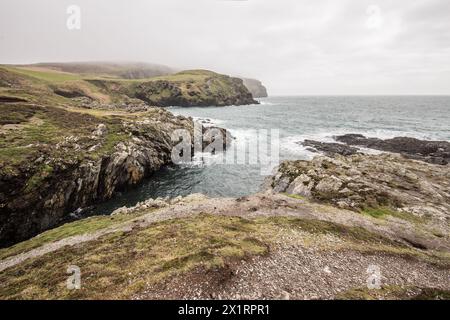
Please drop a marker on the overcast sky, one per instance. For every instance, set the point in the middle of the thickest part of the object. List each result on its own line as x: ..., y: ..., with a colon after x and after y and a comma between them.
x: 293, y: 46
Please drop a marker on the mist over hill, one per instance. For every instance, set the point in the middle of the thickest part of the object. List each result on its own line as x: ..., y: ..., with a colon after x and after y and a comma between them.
x: 129, y: 70
x: 126, y: 70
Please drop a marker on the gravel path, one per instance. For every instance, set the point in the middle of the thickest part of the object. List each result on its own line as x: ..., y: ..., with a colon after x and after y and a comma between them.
x: 296, y: 272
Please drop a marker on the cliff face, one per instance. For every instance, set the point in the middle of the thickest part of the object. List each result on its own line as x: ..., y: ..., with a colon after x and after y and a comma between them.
x: 71, y: 160
x: 256, y: 88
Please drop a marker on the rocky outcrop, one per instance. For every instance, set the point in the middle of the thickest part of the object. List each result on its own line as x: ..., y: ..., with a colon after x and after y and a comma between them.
x: 370, y: 181
x: 186, y: 89
x: 437, y: 152
x: 256, y: 88
x: 329, y: 149
x: 80, y: 170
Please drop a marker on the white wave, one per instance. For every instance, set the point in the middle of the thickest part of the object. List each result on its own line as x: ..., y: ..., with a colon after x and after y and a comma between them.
x: 203, y: 159
x: 265, y: 103
x: 209, y: 122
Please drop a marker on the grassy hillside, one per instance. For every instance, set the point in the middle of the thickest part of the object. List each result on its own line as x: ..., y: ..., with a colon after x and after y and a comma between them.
x: 187, y: 88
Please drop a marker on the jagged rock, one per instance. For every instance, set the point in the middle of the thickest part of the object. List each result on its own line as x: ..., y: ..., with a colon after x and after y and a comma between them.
x: 159, y: 203
x: 330, y: 148
x: 437, y: 152
x: 361, y: 181
x: 100, y: 131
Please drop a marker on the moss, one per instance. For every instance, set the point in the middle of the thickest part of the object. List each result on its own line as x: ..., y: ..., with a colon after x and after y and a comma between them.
x: 44, y: 127
x: 114, y: 136
x: 432, y: 294
x: 294, y: 196
x: 38, y: 177
x: 382, y: 212
x: 326, y: 227
x: 439, y: 259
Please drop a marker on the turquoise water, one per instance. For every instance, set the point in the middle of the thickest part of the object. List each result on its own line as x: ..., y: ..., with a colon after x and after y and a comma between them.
x: 297, y: 118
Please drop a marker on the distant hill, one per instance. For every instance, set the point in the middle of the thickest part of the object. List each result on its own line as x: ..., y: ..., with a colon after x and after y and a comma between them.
x: 125, y: 70
x: 90, y: 87
x: 129, y: 70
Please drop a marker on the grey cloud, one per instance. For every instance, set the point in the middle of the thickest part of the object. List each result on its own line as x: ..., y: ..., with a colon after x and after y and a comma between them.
x: 294, y: 47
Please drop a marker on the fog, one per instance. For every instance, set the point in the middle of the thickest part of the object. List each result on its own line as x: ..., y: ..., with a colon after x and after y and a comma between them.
x: 294, y: 47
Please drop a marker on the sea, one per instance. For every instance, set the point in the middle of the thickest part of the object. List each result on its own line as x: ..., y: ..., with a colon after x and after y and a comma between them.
x: 289, y: 120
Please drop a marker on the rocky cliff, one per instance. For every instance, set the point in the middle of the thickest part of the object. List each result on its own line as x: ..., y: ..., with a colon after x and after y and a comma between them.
x: 192, y: 88
x: 256, y: 88
x: 56, y: 161
x: 57, y: 156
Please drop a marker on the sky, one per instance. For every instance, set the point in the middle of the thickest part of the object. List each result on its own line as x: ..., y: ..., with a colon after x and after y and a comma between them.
x: 295, y: 47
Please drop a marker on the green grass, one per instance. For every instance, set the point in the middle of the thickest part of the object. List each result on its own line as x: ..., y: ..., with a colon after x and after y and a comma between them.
x: 15, y: 114
x: 294, y: 196
x: 48, y: 76
x: 87, y: 225
x: 41, y: 128
x: 183, y: 76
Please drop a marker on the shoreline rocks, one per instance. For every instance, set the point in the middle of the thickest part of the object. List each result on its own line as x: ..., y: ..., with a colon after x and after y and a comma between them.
x: 329, y: 149
x: 362, y: 181
x: 437, y: 152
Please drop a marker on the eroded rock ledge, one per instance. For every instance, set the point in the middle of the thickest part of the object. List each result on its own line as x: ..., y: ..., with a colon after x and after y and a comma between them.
x: 360, y: 181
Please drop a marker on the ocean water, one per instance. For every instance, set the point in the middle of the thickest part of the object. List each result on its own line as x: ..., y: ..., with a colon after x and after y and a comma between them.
x: 297, y: 119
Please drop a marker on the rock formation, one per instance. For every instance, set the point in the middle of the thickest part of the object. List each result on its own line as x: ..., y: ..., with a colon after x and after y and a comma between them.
x: 437, y: 152
x: 329, y: 148
x: 362, y: 181
x: 57, y: 157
